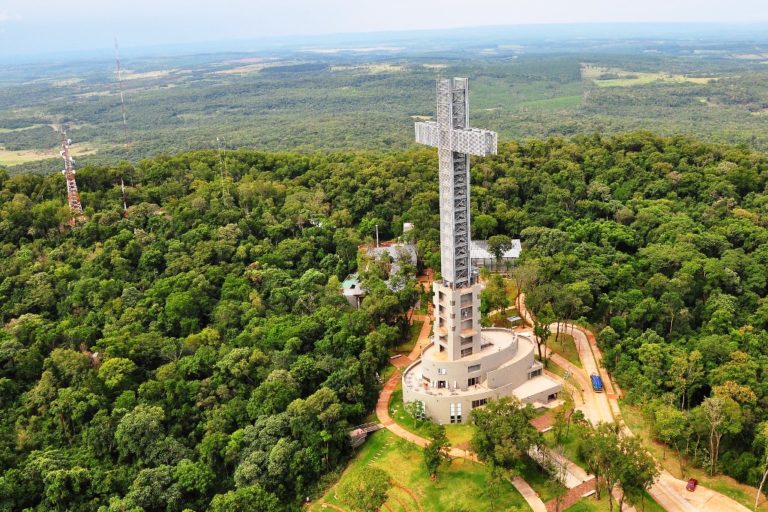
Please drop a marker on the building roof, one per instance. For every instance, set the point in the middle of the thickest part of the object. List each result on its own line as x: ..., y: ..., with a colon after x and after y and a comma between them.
x: 479, y: 250
x: 396, y: 252
x: 536, y: 385
x: 351, y: 285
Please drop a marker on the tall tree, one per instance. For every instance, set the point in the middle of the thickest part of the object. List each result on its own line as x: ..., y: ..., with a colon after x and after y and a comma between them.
x: 436, y: 452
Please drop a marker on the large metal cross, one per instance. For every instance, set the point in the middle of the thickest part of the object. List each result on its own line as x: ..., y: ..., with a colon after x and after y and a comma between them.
x: 455, y: 141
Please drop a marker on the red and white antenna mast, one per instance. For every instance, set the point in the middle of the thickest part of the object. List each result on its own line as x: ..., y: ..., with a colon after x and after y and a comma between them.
x: 73, y: 196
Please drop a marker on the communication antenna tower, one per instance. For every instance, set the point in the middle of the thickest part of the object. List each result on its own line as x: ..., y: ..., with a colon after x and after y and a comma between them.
x: 125, y: 122
x: 73, y: 196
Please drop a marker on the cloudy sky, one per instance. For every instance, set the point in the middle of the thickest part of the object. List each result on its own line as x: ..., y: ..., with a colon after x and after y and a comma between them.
x: 28, y: 26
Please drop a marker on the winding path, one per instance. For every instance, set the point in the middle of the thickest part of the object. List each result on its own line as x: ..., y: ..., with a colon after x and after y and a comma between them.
x: 382, y: 411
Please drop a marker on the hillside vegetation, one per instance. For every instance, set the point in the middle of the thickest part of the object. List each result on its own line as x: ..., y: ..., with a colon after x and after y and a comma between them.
x: 196, y: 354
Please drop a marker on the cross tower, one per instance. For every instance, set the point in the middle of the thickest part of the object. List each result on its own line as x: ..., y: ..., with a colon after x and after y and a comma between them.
x: 457, y: 301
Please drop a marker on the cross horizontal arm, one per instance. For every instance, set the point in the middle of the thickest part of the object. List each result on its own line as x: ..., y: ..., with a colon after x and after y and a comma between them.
x: 472, y: 141
x: 426, y: 133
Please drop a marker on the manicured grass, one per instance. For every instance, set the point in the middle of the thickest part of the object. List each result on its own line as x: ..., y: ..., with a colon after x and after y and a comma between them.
x: 461, y: 486
x: 407, y: 345
x: 564, y: 346
x: 726, y: 485
x: 590, y: 504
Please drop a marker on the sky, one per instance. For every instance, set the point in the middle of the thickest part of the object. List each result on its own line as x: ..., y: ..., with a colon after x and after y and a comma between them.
x: 35, y: 26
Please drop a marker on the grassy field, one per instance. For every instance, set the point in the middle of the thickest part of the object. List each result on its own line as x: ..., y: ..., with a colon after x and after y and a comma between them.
x: 616, y: 77
x: 742, y: 493
x: 32, y: 155
x: 590, y: 504
x: 462, y: 486
x: 566, y: 347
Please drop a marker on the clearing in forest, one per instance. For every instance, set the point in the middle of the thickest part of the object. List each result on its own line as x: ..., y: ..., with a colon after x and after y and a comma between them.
x: 617, y: 77
x: 461, y: 486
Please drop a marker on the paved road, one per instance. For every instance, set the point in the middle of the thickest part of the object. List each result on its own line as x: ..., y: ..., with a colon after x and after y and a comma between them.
x: 668, y: 491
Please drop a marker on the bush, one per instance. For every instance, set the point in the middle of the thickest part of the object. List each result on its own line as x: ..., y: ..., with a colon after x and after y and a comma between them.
x: 367, y: 491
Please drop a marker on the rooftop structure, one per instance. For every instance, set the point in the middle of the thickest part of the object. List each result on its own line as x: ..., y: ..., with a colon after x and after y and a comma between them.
x: 465, y: 365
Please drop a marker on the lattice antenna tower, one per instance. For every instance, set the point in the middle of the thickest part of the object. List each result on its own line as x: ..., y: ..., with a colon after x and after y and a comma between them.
x: 73, y: 195
x: 125, y: 121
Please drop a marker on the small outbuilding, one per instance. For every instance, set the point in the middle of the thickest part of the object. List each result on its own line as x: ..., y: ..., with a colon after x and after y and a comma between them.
x: 352, y: 290
x: 482, y: 257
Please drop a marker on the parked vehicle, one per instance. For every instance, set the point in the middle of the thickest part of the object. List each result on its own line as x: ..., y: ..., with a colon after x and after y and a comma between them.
x: 597, y: 383
x: 692, y: 483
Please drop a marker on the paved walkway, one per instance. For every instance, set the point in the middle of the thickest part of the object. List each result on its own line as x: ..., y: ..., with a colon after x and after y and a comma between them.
x: 574, y: 474
x: 533, y: 499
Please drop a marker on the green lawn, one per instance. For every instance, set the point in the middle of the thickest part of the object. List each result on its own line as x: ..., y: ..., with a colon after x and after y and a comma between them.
x: 462, y: 486
x: 407, y: 345
x: 564, y: 346
x: 590, y: 504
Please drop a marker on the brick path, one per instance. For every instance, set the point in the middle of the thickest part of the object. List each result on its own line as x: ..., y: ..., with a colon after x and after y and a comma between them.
x: 573, y: 496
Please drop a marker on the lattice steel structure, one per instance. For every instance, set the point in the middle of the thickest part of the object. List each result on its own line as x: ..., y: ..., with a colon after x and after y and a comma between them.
x: 455, y: 141
x: 73, y: 195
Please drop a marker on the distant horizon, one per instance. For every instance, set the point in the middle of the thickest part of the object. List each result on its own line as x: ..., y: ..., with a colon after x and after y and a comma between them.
x: 677, y: 30
x: 35, y: 27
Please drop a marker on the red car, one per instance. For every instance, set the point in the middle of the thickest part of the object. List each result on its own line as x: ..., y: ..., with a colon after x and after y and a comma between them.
x: 692, y: 483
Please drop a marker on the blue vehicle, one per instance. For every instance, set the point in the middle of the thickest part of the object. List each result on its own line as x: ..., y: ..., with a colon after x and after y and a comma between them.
x: 597, y: 383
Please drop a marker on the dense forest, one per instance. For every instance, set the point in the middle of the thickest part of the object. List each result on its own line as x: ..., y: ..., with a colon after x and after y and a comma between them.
x: 195, y: 353
x: 305, y: 101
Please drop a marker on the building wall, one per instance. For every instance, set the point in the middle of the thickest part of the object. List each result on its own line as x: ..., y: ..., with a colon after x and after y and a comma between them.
x: 456, y: 310
x: 497, y: 382
x: 438, y: 408
x: 459, y: 371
